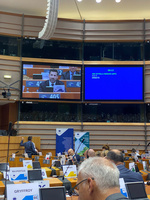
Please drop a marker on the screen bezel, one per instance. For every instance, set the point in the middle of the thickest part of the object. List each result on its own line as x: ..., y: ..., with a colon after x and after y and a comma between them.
x: 49, y: 99
x: 112, y: 100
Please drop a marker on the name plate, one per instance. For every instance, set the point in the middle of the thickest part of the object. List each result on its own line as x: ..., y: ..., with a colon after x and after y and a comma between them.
x: 73, y: 84
x: 33, y: 83
x: 28, y: 191
x: 70, y: 171
x: 18, y: 174
x: 49, y: 96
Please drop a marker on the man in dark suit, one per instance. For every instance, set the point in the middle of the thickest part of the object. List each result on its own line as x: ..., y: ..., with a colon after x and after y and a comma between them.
x: 53, y: 76
x: 116, y: 157
x: 29, y: 147
x: 68, y: 75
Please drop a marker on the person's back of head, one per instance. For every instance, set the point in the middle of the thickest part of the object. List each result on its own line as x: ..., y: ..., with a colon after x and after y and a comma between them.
x: 104, y: 153
x: 116, y: 156
x: 104, y: 173
x: 91, y: 153
x: 29, y: 138
x: 106, y: 147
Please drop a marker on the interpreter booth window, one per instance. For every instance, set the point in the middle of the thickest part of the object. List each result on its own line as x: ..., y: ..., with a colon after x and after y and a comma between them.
x: 94, y: 112
x: 128, y: 51
x: 38, y: 111
x: 147, y: 112
x: 147, y: 50
x: 113, y: 51
x: 51, y: 49
x: 10, y: 46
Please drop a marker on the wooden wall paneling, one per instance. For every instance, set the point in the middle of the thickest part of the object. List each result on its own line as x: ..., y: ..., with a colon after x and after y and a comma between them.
x: 13, y: 112
x: 0, y: 117
x: 117, y: 135
x: 14, y: 145
x: 13, y: 23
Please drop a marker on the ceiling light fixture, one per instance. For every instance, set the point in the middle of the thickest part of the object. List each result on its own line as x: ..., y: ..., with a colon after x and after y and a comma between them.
x: 79, y: 0
x: 98, y: 1
x: 118, y: 1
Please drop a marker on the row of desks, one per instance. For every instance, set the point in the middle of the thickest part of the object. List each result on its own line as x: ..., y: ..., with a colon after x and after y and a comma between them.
x: 53, y: 182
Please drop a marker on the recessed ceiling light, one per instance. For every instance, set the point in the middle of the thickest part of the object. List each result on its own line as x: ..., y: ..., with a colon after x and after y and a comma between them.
x: 118, y: 1
x: 79, y: 0
x: 98, y: 1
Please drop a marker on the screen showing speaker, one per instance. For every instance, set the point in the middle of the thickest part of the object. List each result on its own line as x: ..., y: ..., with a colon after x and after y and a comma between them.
x: 51, y: 81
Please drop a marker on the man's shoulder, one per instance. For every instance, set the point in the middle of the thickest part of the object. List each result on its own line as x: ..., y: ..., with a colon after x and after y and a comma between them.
x: 59, y: 82
x: 116, y: 196
x: 45, y: 82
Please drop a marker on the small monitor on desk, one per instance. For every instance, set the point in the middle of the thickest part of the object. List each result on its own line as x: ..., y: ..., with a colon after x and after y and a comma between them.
x: 57, y: 193
x: 4, y: 166
x: 36, y: 165
x: 35, y: 175
x: 49, y: 88
x: 136, y: 190
x: 37, y: 76
x: 77, y: 77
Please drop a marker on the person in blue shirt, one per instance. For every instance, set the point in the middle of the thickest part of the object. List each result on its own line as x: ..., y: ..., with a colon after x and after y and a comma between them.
x: 117, y: 157
x: 29, y: 147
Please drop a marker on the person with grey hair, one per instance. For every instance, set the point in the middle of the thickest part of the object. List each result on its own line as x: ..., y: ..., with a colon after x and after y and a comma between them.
x: 98, y: 179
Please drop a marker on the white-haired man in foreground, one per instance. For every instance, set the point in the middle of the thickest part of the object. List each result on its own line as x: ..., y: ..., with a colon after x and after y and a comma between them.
x: 99, y: 180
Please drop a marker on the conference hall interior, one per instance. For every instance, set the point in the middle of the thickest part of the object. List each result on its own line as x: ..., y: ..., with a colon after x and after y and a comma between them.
x: 79, y: 68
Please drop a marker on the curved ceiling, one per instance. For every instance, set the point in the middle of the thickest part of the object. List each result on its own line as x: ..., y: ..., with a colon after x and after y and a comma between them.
x: 89, y: 9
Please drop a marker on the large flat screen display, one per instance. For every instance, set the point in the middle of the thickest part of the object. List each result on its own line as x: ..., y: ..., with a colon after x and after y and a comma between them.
x: 51, y: 81
x: 113, y: 83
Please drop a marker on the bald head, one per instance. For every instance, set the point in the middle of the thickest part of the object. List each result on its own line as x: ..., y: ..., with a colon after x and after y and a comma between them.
x: 91, y: 153
x: 71, y: 152
x: 116, y: 156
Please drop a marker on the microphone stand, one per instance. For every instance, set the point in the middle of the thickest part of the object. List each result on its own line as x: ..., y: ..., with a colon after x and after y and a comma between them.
x: 9, y: 130
x: 145, y: 148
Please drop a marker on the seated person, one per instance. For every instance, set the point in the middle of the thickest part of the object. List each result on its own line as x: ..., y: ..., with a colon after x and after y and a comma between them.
x: 68, y: 75
x: 29, y: 147
x: 105, y: 150
x: 98, y: 179
x: 53, y: 80
x: 116, y: 157
x: 135, y: 155
x: 73, y: 156
x: 89, y: 153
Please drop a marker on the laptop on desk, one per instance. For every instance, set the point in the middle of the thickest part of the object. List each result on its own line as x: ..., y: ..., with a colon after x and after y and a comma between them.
x: 136, y: 191
x: 34, y: 175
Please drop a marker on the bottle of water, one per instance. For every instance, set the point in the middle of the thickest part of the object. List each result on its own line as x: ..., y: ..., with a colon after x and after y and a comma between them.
x: 27, y: 89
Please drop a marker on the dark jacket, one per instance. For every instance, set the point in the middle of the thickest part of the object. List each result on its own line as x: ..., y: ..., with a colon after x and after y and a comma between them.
x: 116, y: 196
x: 128, y: 175
x: 29, y: 148
x: 43, y: 85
